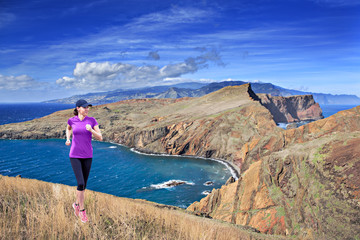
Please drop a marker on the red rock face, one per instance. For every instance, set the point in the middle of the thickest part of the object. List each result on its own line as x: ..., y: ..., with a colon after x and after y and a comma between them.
x: 293, y: 108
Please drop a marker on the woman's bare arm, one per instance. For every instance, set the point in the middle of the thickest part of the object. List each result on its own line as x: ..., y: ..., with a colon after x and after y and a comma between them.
x: 68, y: 134
x: 97, y: 133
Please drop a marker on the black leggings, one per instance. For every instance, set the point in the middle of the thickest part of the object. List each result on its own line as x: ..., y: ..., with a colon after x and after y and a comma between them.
x: 81, y: 167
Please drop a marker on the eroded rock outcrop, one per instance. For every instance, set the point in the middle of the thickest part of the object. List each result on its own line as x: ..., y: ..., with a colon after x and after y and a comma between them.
x: 293, y: 108
x: 307, y: 186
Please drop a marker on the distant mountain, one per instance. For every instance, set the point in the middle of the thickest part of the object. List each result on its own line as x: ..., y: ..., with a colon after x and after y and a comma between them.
x: 194, y: 89
x: 176, y: 93
x: 190, y: 85
x: 342, y: 99
x: 115, y: 96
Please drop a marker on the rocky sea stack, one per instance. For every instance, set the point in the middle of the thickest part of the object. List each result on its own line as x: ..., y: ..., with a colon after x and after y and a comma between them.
x: 302, y: 181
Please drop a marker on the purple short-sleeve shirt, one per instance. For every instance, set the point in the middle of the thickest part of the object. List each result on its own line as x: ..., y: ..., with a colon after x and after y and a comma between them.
x: 81, y: 141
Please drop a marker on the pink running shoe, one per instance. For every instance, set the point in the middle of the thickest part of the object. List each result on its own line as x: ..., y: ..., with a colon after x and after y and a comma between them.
x: 83, y: 216
x: 76, y: 209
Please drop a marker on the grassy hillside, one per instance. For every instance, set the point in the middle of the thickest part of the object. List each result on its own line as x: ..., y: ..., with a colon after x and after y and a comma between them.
x: 32, y: 209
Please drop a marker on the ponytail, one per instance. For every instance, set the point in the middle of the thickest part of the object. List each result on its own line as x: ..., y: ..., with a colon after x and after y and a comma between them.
x: 76, y: 112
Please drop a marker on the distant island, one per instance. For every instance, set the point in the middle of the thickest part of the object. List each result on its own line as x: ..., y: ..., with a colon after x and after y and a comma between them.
x: 195, y: 89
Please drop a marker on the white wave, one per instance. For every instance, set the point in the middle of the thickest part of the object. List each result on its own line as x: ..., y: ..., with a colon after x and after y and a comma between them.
x: 151, y: 154
x: 170, y: 184
x: 208, y: 183
x: 282, y: 125
x: 112, y: 147
x: 206, y: 192
x: 297, y: 124
x: 226, y: 164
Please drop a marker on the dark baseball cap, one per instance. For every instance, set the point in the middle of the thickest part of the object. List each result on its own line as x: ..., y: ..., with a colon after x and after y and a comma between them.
x: 82, y: 103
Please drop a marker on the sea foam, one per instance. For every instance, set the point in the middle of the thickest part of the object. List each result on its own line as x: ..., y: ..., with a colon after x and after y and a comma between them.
x: 170, y: 184
x: 226, y: 164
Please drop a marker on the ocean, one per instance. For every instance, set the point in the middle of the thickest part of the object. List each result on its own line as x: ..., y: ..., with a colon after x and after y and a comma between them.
x: 21, y: 112
x: 329, y: 110
x: 116, y: 169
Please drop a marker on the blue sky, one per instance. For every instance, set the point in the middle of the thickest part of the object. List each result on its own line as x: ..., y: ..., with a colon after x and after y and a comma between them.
x: 53, y: 49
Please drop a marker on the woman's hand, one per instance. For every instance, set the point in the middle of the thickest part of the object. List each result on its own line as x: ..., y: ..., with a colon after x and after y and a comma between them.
x: 88, y: 127
x: 67, y: 143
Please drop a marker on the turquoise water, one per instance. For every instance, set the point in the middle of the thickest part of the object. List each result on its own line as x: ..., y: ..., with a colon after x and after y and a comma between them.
x: 116, y: 170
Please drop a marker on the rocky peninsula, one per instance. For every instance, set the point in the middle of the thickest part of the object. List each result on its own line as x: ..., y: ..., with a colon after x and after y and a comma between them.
x: 216, y: 125
x: 292, y: 182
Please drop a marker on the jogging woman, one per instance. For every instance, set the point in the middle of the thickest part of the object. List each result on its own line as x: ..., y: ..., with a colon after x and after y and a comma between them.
x: 82, y: 129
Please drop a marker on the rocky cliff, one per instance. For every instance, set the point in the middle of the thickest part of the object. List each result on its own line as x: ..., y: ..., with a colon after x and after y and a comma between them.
x: 308, y: 185
x: 293, y: 108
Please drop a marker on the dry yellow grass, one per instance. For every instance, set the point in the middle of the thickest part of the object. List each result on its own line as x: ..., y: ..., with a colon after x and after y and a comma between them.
x: 32, y: 209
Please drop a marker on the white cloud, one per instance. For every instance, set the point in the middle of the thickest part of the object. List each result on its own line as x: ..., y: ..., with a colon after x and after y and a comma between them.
x: 107, y: 76
x: 173, y: 16
x: 19, y: 82
x: 176, y: 70
x: 66, y: 81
